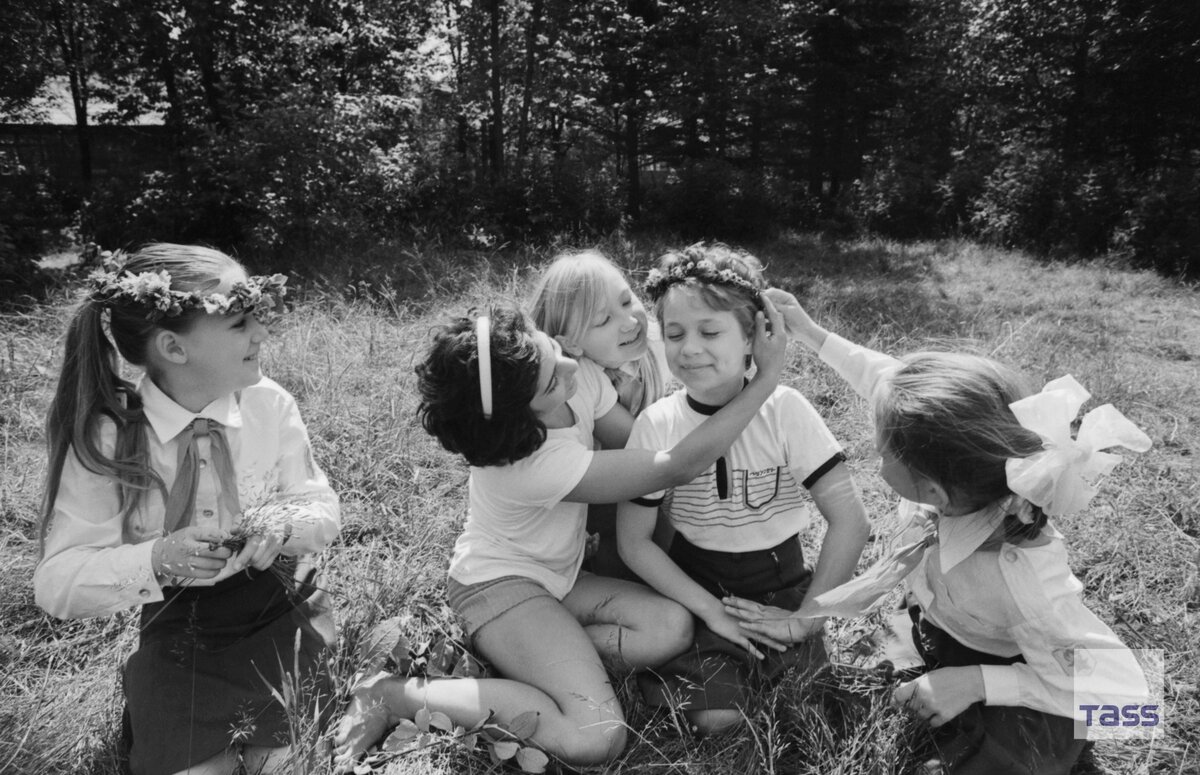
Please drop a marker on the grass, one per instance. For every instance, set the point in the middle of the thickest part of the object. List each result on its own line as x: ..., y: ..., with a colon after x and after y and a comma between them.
x: 347, y: 355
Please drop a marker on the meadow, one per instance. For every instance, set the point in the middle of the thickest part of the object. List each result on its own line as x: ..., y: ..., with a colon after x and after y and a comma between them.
x: 347, y: 351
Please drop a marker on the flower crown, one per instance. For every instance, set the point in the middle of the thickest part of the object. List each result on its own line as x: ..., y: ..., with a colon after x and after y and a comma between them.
x: 659, y: 281
x: 114, y: 286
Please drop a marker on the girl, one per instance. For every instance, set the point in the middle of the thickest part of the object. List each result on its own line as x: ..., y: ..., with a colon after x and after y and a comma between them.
x: 737, y: 524
x: 585, y: 303
x: 144, y: 503
x: 523, y: 415
x: 1011, y: 649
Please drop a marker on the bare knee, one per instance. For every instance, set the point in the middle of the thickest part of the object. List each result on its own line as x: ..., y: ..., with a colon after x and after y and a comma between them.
x: 596, y: 744
x: 679, y: 629
x: 714, y: 722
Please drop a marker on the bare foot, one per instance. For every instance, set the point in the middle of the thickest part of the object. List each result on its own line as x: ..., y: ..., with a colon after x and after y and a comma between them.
x: 368, y: 717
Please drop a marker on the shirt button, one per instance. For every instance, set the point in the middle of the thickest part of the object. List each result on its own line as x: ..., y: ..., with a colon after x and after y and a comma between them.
x: 203, y: 462
x: 144, y: 592
x: 208, y: 512
x: 1011, y: 555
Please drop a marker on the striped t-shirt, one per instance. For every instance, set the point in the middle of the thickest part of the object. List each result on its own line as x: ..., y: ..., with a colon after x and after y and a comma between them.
x: 752, y: 497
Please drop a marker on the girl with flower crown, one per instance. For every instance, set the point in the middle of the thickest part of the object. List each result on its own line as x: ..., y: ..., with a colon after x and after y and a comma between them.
x: 160, y: 494
x: 585, y: 303
x: 736, y: 525
x: 981, y: 464
x: 521, y: 413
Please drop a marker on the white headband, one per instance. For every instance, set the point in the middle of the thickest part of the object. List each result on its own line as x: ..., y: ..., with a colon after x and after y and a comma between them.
x: 483, y: 336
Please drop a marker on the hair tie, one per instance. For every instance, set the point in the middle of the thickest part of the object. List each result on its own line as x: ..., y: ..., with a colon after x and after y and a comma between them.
x: 1064, y: 477
x: 483, y: 337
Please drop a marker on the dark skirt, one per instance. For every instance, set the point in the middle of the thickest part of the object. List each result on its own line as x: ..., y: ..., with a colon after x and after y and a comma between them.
x: 715, y: 673
x: 990, y: 739
x: 208, y: 659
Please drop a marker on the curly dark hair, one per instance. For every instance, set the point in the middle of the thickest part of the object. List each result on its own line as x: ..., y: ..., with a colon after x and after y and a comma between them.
x: 451, y: 409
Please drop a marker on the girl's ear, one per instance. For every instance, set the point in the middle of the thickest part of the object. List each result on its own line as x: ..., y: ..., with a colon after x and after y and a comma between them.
x: 167, y: 345
x: 569, y: 347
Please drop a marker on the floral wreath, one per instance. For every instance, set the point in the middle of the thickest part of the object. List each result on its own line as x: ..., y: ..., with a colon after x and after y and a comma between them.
x: 659, y: 281
x: 114, y: 286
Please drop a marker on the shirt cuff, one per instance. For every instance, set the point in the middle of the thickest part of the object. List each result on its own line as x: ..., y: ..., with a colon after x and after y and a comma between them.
x: 835, y: 350
x: 148, y: 589
x: 1001, y: 685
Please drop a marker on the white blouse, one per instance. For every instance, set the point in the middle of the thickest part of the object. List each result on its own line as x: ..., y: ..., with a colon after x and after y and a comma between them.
x: 1008, y: 600
x: 91, y: 567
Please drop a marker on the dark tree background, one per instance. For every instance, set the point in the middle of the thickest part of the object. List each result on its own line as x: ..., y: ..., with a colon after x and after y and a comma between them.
x: 1067, y: 127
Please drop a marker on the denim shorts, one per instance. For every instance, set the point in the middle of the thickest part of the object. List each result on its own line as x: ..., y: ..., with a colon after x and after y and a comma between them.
x: 484, y: 602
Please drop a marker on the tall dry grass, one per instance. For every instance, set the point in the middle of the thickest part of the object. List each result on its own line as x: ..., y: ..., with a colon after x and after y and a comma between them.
x: 347, y: 354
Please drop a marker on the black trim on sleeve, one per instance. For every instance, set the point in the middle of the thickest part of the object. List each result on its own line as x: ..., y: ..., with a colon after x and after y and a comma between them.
x: 823, y: 469
x: 650, y: 503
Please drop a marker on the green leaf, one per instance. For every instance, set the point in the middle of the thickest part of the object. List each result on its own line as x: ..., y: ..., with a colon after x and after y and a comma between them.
x: 469, y: 741
x: 401, y: 738
x: 505, y: 749
x: 385, y: 639
x: 532, y: 760
x: 439, y: 720
x: 524, y: 725
x: 422, y: 719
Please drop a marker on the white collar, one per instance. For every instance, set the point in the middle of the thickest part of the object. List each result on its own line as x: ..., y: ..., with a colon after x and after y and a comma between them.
x: 168, y: 418
x: 959, y: 537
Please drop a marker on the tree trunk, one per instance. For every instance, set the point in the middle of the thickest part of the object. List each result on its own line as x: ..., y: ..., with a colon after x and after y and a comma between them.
x: 496, y: 126
x: 204, y: 50
x: 73, y: 47
x: 531, y: 36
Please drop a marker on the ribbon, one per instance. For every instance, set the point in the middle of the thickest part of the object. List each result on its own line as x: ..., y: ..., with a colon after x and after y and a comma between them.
x: 182, y: 499
x: 862, y: 593
x: 1064, y: 477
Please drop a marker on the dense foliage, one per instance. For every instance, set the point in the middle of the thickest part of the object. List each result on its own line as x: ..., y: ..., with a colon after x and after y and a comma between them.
x: 1070, y: 127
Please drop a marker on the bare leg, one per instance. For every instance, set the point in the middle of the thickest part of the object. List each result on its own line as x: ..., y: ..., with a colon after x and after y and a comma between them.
x: 552, y: 668
x: 629, y: 623
x: 260, y: 760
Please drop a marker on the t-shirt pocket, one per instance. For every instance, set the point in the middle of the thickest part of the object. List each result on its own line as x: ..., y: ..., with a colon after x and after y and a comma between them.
x: 759, y: 488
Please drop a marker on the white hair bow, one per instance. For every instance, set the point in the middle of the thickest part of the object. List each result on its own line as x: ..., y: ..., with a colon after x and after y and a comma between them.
x: 1064, y: 476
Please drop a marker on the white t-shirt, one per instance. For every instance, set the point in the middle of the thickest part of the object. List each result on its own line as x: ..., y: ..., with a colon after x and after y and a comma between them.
x: 517, y: 522
x: 751, y: 498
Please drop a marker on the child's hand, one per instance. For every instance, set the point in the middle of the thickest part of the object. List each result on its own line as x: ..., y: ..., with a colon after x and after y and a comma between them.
x: 261, y: 549
x: 727, y: 627
x: 779, y: 624
x: 942, y: 694
x: 799, y: 323
x: 770, y: 343
x: 789, y: 306
x: 191, y: 552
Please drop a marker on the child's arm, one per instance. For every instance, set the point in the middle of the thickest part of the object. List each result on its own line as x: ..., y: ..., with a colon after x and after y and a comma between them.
x: 1071, y: 657
x: 618, y: 475
x: 612, y: 430
x: 864, y: 369
x: 635, y: 542
x: 303, y: 515
x: 838, y: 501
x: 90, y: 568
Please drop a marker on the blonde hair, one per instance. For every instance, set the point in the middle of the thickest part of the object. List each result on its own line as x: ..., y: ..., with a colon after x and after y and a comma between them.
x: 90, y: 387
x: 570, y: 293
x: 946, y: 416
